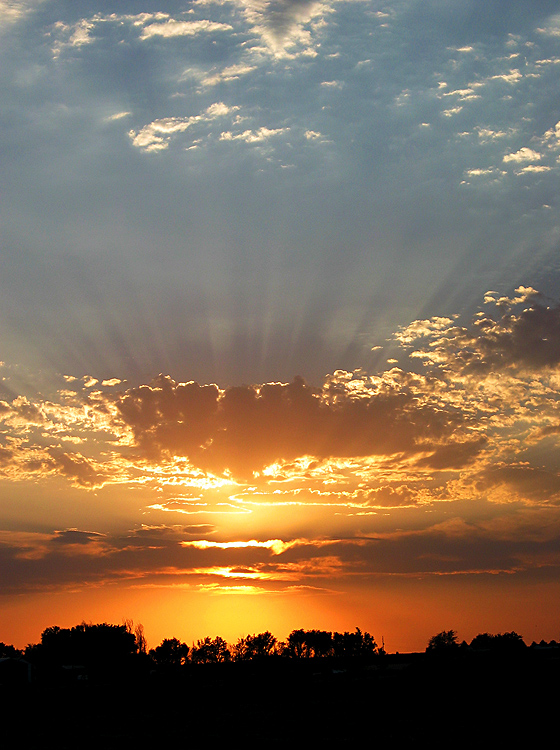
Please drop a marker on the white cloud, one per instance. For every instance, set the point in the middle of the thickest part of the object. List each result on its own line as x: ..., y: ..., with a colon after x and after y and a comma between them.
x: 479, y: 172
x: 452, y: 111
x: 117, y: 116
x: 173, y: 28
x: 553, y: 136
x: 534, y: 168
x: 463, y: 94
x: 12, y: 10
x: 512, y: 77
x: 156, y: 135
x: 230, y: 73
x: 552, y: 28
x: 524, y: 154
x: 252, y: 136
x: 486, y: 134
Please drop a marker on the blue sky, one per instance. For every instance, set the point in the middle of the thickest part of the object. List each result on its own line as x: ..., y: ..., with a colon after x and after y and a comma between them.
x: 243, y: 191
x: 281, y: 275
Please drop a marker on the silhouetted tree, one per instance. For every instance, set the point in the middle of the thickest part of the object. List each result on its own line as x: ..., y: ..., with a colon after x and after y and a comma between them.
x: 170, y: 653
x: 7, y: 651
x: 352, y: 645
x: 139, y: 637
x: 210, y: 651
x: 254, y: 646
x: 443, y: 642
x: 482, y: 642
x: 100, y: 647
x: 501, y: 642
x: 319, y: 643
x: 296, y: 646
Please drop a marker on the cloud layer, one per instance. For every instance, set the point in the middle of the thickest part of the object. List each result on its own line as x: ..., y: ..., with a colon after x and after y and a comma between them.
x: 443, y: 469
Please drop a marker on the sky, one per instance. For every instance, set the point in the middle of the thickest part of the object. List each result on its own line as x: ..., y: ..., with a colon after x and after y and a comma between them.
x: 279, y: 317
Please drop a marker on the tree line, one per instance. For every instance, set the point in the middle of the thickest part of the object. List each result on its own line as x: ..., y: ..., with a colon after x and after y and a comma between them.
x: 103, y: 645
x: 106, y: 647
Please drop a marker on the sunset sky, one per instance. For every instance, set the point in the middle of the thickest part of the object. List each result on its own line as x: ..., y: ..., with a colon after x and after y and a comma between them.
x: 279, y: 317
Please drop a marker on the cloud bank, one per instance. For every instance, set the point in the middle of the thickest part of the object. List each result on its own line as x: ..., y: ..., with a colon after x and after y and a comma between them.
x: 463, y: 440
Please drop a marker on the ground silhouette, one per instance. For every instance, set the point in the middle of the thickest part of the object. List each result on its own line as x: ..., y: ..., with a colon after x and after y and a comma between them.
x: 310, y: 691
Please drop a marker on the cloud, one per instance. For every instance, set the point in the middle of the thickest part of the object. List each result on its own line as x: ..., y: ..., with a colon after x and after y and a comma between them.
x: 524, y: 154
x: 13, y: 10
x: 156, y: 135
x: 77, y: 468
x: 513, y: 76
x: 229, y: 73
x: 481, y: 393
x: 75, y: 536
x: 527, y: 338
x: 172, y: 28
x: 521, y: 481
x: 283, y: 25
x: 117, y: 116
x: 252, y: 136
x: 245, y: 429
x: 454, y: 455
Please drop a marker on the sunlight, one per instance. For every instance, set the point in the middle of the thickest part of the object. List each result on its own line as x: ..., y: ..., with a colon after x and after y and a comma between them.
x: 277, y: 546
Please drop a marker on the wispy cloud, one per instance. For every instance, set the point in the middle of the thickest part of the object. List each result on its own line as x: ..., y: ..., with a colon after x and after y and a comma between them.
x: 156, y: 135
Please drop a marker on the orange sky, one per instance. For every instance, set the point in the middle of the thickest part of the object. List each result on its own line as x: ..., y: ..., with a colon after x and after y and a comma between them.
x: 417, y: 498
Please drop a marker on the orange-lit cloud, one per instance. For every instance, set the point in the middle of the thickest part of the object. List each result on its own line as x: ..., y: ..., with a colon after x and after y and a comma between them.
x: 445, y: 465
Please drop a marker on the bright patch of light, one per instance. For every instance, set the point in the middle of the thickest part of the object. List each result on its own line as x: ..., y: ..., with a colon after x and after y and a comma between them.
x: 276, y: 545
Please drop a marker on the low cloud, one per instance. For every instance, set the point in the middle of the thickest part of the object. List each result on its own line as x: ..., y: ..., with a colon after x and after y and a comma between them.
x: 457, y: 421
x: 244, y: 429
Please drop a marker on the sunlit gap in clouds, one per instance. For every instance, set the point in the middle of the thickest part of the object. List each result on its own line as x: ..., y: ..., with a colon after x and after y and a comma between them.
x: 277, y: 546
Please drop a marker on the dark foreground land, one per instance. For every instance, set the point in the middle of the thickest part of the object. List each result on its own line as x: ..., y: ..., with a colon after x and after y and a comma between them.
x: 473, y: 700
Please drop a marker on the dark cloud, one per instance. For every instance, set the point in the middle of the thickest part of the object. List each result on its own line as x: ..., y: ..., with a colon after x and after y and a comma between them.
x: 75, y: 536
x: 243, y: 429
x: 157, y: 557
x: 392, y: 497
x: 523, y: 481
x: 454, y: 455
x: 76, y: 467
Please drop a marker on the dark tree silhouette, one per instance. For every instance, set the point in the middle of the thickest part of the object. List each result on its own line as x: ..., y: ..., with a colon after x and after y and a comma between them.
x: 97, y: 647
x: 170, y: 653
x: 352, y: 645
x: 208, y: 651
x: 321, y: 643
x: 445, y: 642
x: 254, y: 647
x: 501, y: 642
x: 296, y: 646
x: 7, y: 651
